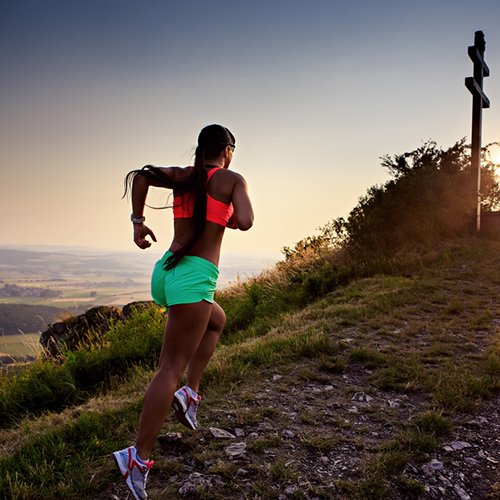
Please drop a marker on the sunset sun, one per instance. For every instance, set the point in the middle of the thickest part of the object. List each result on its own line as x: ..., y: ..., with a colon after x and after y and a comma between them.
x: 495, y: 155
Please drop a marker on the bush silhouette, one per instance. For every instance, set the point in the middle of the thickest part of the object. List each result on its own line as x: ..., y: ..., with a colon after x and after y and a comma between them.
x: 430, y: 197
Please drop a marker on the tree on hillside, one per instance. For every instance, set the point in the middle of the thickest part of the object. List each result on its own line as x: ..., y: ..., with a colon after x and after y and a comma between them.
x: 429, y: 197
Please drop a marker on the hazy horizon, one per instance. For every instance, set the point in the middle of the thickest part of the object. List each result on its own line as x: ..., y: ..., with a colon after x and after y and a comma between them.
x: 135, y: 251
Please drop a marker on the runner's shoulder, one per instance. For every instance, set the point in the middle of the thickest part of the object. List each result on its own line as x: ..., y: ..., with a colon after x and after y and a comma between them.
x: 232, y: 176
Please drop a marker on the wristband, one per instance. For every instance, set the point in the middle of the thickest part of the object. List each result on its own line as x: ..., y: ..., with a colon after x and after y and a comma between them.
x: 137, y: 220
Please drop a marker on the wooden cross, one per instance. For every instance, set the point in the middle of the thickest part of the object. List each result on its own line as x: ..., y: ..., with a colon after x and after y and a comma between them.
x: 479, y: 101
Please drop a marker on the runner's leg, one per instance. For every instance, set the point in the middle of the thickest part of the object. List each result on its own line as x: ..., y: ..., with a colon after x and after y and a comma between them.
x: 206, y: 347
x: 185, y: 328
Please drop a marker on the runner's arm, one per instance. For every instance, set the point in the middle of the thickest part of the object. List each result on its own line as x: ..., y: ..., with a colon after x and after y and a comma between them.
x: 243, y: 212
x: 140, y: 187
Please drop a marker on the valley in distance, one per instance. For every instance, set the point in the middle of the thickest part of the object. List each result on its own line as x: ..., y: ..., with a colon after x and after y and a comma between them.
x: 41, y: 285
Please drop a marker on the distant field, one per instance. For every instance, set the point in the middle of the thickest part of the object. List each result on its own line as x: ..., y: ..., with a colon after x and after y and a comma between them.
x: 81, y: 298
x: 20, y: 345
x: 86, y: 279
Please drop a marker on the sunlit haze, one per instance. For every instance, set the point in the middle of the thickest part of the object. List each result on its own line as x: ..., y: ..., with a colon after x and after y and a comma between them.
x: 315, y: 93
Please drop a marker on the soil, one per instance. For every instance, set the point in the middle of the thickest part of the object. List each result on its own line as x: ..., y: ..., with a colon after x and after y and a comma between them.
x: 312, y: 439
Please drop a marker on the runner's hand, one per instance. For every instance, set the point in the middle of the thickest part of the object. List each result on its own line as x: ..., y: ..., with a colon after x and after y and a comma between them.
x: 140, y: 233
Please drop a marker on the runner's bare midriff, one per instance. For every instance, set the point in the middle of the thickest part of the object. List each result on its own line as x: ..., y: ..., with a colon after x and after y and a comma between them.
x: 207, y: 247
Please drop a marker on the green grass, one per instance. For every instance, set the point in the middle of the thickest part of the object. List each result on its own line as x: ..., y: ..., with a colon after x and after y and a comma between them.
x: 421, y: 435
x: 384, y: 470
x: 332, y: 364
x: 52, y: 386
x: 259, y: 445
x: 283, y: 473
x: 270, y: 412
x: 409, y: 487
x: 308, y: 417
x: 455, y: 388
x: 400, y: 374
x: 318, y: 444
x: 368, y: 357
x: 233, y: 363
x: 47, y: 462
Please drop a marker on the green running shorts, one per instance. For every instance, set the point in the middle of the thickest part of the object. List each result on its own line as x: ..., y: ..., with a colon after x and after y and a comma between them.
x: 193, y: 279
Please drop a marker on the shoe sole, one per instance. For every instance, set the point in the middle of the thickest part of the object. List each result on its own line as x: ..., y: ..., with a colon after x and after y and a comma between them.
x: 180, y: 413
x: 124, y: 469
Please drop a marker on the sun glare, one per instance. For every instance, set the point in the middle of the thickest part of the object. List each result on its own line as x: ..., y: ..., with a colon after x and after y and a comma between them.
x: 495, y: 155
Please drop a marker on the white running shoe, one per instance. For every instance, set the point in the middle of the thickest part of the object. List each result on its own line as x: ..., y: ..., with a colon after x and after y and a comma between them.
x: 134, y: 470
x: 185, y: 404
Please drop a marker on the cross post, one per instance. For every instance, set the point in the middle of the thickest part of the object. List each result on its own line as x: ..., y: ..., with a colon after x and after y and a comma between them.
x: 479, y: 101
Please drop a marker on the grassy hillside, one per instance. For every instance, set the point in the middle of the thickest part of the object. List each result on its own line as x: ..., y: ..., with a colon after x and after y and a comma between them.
x: 366, y: 365
x: 344, y: 397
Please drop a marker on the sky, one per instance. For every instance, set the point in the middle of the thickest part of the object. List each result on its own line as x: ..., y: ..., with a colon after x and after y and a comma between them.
x: 314, y: 91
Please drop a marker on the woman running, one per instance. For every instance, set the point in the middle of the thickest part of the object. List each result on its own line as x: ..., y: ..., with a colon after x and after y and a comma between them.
x: 207, y: 198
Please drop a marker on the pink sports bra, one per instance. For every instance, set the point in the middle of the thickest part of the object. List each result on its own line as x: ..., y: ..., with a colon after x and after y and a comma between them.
x: 217, y: 211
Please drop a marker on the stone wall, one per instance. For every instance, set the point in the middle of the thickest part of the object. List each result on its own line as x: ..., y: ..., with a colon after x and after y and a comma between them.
x: 85, y: 329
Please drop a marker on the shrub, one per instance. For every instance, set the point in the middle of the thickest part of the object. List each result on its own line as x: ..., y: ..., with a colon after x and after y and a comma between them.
x: 430, y: 197
x: 49, y: 386
x: 43, y: 386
